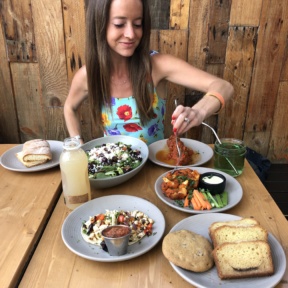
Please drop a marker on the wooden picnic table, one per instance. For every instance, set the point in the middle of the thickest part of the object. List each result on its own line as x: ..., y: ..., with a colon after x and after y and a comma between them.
x: 29, y: 200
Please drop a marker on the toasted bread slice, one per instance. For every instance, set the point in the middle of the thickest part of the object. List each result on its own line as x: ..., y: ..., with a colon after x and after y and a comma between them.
x: 243, y: 259
x: 244, y: 222
x: 224, y: 234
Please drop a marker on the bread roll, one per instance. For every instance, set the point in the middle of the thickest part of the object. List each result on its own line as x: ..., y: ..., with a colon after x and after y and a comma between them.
x: 35, y: 152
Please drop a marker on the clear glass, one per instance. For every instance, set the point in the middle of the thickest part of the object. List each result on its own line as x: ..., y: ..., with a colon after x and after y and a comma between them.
x: 230, y: 151
x: 74, y: 173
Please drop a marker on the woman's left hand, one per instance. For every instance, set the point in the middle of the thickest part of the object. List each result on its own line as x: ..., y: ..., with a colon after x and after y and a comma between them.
x: 184, y: 118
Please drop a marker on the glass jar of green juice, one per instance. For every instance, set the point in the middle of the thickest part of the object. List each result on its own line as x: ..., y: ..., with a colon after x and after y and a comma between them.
x: 229, y: 156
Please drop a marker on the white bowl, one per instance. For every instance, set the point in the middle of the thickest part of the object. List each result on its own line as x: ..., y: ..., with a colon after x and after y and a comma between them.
x: 135, y: 144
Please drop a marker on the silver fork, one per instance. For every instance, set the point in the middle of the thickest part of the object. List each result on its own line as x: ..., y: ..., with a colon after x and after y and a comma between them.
x: 177, y: 146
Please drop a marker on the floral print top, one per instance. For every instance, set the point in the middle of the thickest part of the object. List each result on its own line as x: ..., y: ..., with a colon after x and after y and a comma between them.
x: 124, y: 119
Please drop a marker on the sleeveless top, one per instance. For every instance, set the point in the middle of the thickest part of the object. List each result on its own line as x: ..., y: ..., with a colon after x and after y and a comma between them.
x: 123, y: 119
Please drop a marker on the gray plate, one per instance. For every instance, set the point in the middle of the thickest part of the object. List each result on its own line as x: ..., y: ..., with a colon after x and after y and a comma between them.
x: 200, y: 224
x: 9, y: 160
x: 205, y: 151
x: 71, y: 229
x: 233, y: 187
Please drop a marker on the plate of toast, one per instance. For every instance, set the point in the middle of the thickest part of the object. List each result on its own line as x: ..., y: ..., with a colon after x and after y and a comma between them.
x: 249, y: 257
x: 34, y: 155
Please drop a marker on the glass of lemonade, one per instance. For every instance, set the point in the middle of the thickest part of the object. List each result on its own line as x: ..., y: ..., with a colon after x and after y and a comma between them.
x: 230, y: 151
x: 74, y: 172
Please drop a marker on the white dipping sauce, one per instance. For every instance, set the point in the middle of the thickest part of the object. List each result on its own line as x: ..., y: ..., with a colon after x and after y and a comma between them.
x: 212, y: 179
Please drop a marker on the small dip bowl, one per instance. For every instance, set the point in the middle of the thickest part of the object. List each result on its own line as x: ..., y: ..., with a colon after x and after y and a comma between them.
x: 213, y: 181
x: 116, y: 238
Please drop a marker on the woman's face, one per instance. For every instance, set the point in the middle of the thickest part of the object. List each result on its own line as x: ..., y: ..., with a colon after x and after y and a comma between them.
x: 124, y: 29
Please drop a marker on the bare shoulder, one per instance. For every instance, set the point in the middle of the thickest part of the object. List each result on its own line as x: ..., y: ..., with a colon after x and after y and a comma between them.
x: 79, y: 82
x: 162, y: 66
x: 81, y: 75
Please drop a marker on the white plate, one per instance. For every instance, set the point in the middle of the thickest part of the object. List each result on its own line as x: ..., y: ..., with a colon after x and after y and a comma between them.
x: 9, y: 160
x: 71, y: 229
x: 200, y: 224
x: 233, y: 188
x: 205, y: 151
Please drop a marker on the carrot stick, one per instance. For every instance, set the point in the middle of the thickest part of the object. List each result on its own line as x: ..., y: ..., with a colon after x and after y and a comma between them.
x: 198, y: 202
x: 194, y: 203
x: 201, y: 198
x: 186, y: 201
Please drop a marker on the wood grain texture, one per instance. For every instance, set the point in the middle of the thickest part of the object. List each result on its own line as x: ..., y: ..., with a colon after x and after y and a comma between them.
x: 198, y: 36
x: 74, y: 29
x: 238, y: 70
x: 243, y: 41
x: 218, y: 30
x: 74, y: 26
x: 241, y: 15
x: 278, y: 146
x: 19, y: 32
x: 266, y: 75
x: 49, y: 31
x: 179, y: 14
x: 175, y: 43
x: 8, y: 117
x: 54, y: 265
x: 29, y: 99
x: 27, y: 200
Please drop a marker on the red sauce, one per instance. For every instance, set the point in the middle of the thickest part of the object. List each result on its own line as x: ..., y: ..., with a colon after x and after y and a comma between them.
x: 162, y: 155
x: 116, y: 231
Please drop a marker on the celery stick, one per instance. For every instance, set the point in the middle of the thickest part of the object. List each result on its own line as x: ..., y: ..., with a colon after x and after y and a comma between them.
x: 224, y: 198
x: 218, y: 199
x: 212, y: 200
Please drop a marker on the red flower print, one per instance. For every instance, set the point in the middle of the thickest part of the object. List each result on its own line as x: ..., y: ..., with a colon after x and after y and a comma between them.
x: 124, y: 112
x: 132, y: 127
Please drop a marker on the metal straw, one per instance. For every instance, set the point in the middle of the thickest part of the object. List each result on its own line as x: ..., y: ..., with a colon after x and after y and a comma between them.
x: 235, y: 170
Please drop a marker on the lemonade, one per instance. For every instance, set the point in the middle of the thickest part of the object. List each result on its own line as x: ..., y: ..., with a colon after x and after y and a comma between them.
x: 74, y: 173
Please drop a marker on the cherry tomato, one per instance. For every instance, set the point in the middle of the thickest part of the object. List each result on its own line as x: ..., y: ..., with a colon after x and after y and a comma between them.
x: 100, y: 217
x: 121, y: 218
x: 148, y: 229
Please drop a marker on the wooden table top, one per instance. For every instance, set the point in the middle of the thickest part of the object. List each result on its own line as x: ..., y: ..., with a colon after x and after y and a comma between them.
x: 26, y: 203
x: 54, y: 265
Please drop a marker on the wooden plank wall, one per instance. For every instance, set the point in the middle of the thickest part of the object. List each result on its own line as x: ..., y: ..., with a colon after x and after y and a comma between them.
x: 42, y: 46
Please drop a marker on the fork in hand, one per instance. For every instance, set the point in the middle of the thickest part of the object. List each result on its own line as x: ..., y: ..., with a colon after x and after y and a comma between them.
x: 177, y: 146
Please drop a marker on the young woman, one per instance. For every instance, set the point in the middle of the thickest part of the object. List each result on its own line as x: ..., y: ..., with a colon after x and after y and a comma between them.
x: 122, y: 79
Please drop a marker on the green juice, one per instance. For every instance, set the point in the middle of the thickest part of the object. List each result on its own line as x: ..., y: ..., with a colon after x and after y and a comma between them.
x: 230, y: 151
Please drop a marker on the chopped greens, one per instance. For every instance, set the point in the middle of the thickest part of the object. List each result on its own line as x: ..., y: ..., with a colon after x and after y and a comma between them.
x: 112, y: 159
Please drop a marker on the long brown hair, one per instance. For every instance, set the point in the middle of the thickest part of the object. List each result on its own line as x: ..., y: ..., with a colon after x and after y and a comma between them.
x: 98, y: 64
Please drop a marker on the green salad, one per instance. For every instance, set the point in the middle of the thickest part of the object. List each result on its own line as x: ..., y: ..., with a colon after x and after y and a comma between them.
x: 112, y: 159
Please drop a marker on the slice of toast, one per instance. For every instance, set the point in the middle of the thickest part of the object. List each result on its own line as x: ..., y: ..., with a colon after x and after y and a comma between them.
x: 225, y: 233
x: 243, y: 259
x: 244, y: 222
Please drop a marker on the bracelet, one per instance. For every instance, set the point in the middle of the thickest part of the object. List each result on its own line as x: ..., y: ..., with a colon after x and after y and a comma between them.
x: 78, y: 137
x: 219, y: 97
